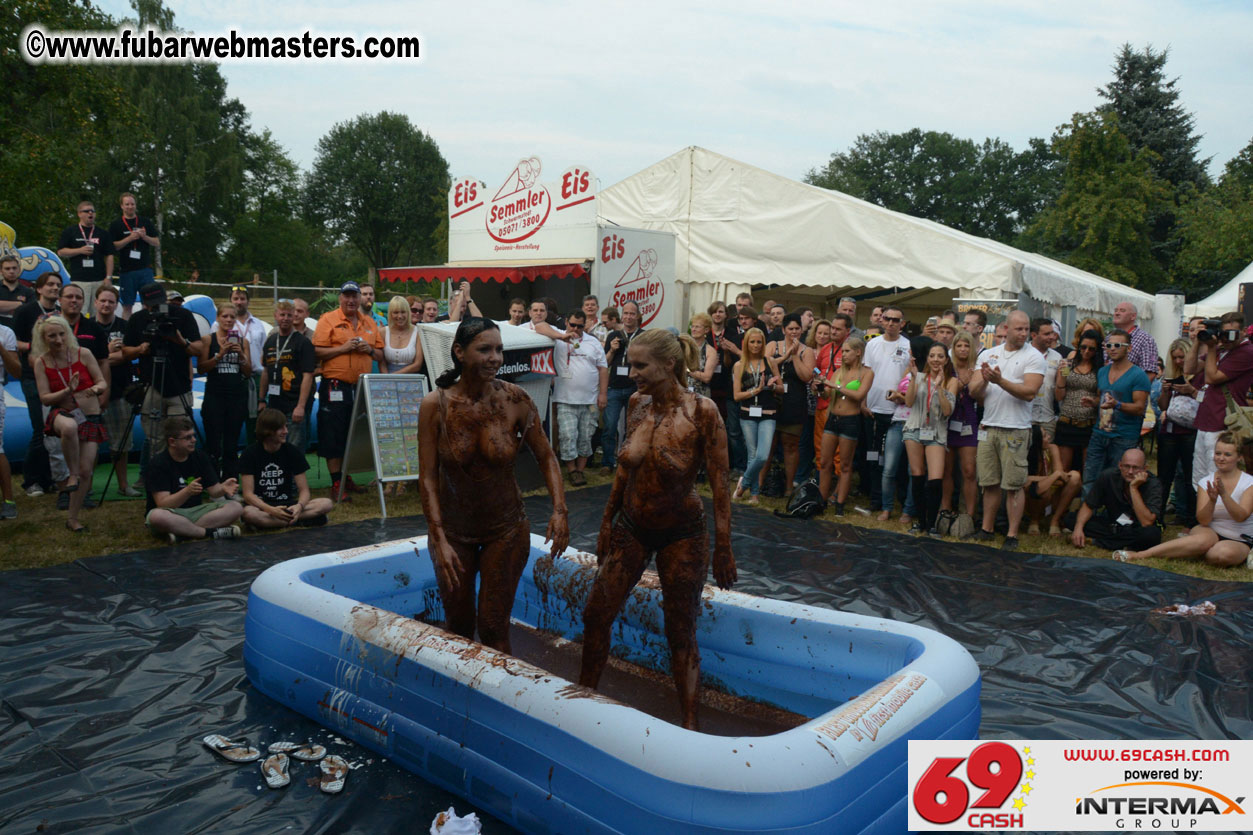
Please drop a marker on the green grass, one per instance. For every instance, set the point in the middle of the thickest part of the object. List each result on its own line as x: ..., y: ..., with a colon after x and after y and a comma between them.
x: 38, y: 536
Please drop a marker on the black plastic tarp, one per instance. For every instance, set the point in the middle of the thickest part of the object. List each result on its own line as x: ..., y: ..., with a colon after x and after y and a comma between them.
x: 113, y: 668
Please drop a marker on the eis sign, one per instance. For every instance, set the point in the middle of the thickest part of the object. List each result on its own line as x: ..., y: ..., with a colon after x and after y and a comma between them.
x: 524, y: 216
x: 637, y: 266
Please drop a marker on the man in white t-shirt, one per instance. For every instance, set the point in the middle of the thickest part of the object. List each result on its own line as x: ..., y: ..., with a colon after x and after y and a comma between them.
x: 889, y: 356
x: 1007, y: 380
x: 9, y: 364
x: 580, y: 391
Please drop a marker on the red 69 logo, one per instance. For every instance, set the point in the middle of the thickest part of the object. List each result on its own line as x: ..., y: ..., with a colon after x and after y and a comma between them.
x: 941, y: 797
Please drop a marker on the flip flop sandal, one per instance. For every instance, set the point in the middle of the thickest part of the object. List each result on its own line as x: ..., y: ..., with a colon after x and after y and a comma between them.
x: 274, y: 767
x: 334, y: 772
x: 231, y: 750
x: 307, y: 751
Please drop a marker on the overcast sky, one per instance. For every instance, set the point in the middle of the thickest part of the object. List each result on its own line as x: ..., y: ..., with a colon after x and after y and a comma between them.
x: 782, y: 86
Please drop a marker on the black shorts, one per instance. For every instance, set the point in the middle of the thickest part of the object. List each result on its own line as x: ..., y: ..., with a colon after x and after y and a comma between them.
x: 843, y: 426
x: 334, y: 417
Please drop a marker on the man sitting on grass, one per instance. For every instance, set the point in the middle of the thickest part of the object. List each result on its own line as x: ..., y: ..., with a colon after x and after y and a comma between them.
x: 1129, y: 494
x: 276, y: 493
x: 178, y: 480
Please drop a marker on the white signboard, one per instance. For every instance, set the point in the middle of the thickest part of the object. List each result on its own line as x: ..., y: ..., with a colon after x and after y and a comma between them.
x: 524, y: 217
x: 637, y: 265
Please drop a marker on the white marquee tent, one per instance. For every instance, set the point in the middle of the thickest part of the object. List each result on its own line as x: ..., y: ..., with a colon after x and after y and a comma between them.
x: 738, y: 226
x: 1223, y: 299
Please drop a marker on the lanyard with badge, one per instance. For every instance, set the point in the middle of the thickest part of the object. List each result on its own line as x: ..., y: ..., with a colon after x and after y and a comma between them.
x: 133, y: 246
x: 87, y: 260
x: 274, y: 388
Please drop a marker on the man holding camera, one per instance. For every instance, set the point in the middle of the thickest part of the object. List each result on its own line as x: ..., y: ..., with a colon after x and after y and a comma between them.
x: 1227, y: 367
x: 161, y: 336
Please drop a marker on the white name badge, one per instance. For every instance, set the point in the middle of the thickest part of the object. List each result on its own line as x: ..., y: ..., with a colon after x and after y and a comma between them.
x: 689, y: 388
x: 956, y: 426
x: 272, y: 390
x: 718, y: 368
x: 967, y: 430
x: 926, y: 433
x: 785, y: 388
x: 622, y: 371
x: 1123, y: 519
x: 88, y: 262
x: 337, y: 396
x: 136, y: 255
x: 872, y: 455
x: 1200, y: 396
x: 754, y: 411
x: 983, y: 435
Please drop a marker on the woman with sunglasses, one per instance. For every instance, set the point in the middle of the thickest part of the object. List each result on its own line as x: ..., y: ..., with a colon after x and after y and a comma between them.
x: 1076, y: 380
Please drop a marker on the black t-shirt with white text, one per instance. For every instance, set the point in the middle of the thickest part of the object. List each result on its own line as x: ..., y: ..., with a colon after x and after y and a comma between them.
x: 274, y: 473
x: 87, y: 267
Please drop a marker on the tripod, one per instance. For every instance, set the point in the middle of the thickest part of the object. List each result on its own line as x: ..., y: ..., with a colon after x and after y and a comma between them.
x: 137, y: 395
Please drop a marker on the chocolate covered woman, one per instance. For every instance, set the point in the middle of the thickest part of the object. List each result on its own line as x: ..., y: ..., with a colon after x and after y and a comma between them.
x: 654, y: 509
x: 470, y: 430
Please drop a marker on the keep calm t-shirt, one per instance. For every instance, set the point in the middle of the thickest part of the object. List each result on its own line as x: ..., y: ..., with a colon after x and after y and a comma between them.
x: 274, y: 473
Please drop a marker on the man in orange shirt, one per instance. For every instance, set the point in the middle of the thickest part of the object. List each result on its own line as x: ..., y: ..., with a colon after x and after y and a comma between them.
x: 347, y: 344
x: 826, y: 364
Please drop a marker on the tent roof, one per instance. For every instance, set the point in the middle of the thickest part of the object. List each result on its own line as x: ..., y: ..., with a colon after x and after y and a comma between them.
x: 1223, y: 299
x: 735, y: 223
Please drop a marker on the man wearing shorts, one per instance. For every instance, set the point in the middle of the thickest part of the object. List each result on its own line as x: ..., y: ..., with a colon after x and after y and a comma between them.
x: 134, y: 238
x: 347, y: 343
x: 1007, y: 380
x: 185, y: 497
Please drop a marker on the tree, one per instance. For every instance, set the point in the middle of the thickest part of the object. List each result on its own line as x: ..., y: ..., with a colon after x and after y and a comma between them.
x: 58, y: 119
x: 379, y: 184
x: 1100, y: 221
x: 985, y: 189
x: 1150, y: 115
x: 1216, y: 229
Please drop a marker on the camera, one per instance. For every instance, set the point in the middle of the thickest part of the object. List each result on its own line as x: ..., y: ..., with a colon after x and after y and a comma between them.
x: 162, y: 324
x: 1211, y: 330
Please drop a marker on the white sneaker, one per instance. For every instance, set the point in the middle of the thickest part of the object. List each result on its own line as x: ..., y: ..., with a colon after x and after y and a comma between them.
x: 34, y: 491
x: 227, y: 532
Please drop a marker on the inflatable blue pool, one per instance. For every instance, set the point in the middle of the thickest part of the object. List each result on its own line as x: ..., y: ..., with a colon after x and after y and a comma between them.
x: 346, y: 638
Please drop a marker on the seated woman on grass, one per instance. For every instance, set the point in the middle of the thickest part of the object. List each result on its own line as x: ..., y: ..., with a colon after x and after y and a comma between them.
x: 272, y: 472
x: 1224, y: 515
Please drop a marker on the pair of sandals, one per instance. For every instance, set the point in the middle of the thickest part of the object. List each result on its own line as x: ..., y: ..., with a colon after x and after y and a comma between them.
x: 577, y: 479
x: 276, y: 768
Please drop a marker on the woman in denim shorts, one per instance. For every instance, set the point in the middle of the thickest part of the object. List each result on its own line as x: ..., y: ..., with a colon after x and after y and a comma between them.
x: 931, y: 395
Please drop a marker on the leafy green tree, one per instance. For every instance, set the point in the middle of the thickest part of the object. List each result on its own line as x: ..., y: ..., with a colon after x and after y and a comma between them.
x: 379, y: 184
x: 1101, y: 220
x: 985, y: 189
x: 57, y: 120
x: 1151, y: 116
x: 1216, y: 229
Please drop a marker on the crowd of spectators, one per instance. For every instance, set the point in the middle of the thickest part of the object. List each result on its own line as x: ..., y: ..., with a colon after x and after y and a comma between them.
x: 970, y: 433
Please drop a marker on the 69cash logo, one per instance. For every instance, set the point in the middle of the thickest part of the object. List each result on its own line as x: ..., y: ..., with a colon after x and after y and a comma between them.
x: 989, y: 789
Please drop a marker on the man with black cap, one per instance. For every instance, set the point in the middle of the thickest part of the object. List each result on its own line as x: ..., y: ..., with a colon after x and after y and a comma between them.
x: 347, y: 344
x: 162, y: 337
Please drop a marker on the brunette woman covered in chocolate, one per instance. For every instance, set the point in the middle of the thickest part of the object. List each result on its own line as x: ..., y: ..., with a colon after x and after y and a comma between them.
x: 654, y: 509
x: 470, y: 430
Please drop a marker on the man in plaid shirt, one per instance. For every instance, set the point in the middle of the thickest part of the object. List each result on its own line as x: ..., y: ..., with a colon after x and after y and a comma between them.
x: 1143, y: 347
